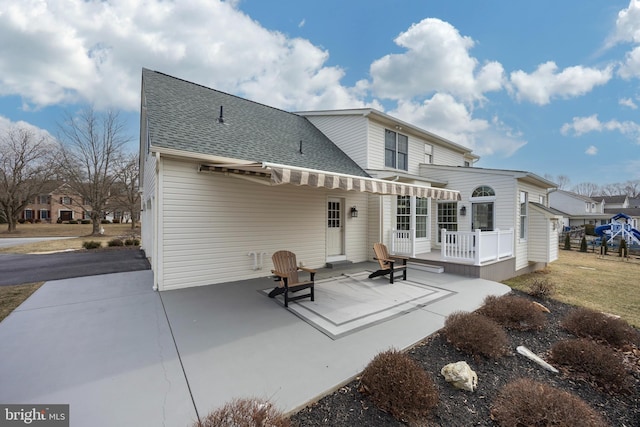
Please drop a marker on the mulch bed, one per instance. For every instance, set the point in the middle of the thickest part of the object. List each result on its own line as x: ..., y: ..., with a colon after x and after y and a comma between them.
x: 349, y: 407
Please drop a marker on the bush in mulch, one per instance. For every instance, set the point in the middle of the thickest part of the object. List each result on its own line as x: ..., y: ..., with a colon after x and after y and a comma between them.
x: 598, y: 363
x: 245, y: 413
x: 587, y: 323
x: 513, y: 312
x: 397, y: 384
x: 475, y: 334
x: 526, y: 402
x: 541, y: 287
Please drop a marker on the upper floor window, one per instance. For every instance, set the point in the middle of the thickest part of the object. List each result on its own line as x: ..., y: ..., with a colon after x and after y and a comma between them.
x: 396, y: 150
x: 43, y: 199
x: 483, y: 191
x: 428, y: 153
x: 65, y: 200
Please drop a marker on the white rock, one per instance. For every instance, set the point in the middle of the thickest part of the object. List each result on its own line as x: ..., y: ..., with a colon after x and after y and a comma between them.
x: 460, y: 375
x: 532, y: 356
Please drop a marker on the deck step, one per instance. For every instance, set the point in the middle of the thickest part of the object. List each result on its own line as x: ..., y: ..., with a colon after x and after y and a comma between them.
x: 426, y: 267
x: 336, y: 264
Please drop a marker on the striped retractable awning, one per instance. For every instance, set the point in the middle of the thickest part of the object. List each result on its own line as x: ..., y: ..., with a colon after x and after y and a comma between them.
x: 283, y: 174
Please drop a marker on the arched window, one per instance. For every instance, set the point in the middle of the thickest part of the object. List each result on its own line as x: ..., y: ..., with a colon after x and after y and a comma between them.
x: 482, y: 209
x: 483, y: 191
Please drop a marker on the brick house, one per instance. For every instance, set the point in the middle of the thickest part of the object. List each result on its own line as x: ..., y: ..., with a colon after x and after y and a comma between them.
x: 57, y: 203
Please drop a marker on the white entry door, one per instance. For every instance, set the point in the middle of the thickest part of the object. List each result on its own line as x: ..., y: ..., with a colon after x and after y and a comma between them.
x: 335, y: 230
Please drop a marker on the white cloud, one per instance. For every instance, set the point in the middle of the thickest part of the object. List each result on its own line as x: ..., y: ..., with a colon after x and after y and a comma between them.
x: 628, y: 102
x: 93, y: 51
x: 447, y: 118
x: 584, y: 125
x: 546, y: 82
x: 7, y: 124
x: 592, y: 150
x: 628, y: 24
x: 436, y: 60
x: 631, y: 65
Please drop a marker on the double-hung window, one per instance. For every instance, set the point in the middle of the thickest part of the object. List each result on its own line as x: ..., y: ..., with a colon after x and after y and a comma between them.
x: 524, y: 198
x: 396, y: 150
x: 422, y: 217
x: 447, y: 217
x: 403, y: 213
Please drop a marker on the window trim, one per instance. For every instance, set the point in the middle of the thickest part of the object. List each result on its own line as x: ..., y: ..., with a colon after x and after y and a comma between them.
x: 524, y: 217
x: 454, y: 211
x: 396, y: 153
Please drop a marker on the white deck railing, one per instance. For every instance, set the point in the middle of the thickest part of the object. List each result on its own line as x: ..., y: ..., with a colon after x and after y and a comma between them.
x: 403, y: 242
x: 476, y: 247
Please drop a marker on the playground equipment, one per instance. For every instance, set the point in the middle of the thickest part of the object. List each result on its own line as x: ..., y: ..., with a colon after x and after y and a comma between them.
x: 616, y: 228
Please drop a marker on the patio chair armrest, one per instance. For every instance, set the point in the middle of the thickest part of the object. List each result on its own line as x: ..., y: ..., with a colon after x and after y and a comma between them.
x: 308, y: 270
x: 279, y: 274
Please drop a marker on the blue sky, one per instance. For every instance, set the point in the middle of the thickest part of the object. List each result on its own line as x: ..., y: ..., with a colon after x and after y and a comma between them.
x: 549, y: 87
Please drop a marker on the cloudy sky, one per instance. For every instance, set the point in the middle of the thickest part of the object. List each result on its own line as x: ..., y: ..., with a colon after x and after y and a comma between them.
x: 552, y: 87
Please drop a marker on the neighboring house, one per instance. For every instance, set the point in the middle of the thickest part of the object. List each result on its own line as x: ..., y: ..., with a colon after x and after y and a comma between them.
x: 57, y: 203
x: 613, y: 202
x: 579, y: 210
x: 596, y: 210
x: 226, y: 182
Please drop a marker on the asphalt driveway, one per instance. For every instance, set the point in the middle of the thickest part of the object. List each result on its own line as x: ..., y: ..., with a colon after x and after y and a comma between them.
x: 16, y: 269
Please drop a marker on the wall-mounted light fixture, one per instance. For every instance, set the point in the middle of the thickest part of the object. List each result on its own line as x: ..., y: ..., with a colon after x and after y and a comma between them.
x: 463, y: 211
x: 354, y: 212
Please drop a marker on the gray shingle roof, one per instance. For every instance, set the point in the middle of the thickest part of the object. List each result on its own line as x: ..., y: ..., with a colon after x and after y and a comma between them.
x: 184, y: 116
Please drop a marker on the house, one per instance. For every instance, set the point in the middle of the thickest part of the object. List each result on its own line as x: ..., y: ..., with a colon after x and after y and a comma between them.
x: 507, y: 205
x: 619, y: 201
x: 579, y: 210
x: 226, y: 182
x: 57, y: 203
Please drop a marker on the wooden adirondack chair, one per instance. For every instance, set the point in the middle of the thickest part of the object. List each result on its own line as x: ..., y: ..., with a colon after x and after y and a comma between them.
x: 388, y: 263
x: 286, y: 269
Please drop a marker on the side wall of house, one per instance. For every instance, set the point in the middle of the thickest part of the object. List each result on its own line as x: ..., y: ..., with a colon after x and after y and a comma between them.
x: 212, y: 222
x: 349, y: 133
x: 148, y: 204
x: 540, y: 248
x: 532, y: 240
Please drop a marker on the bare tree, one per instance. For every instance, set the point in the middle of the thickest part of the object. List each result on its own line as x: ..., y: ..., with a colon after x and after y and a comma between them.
x: 562, y: 181
x: 26, y: 165
x: 586, y: 189
x: 92, y: 151
x: 632, y: 188
x: 126, y: 192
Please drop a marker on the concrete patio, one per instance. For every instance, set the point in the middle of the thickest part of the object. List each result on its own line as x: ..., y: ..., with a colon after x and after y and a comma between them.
x: 121, y: 354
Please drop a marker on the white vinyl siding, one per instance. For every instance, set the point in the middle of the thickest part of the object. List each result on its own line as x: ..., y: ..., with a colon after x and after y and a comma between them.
x: 523, y: 245
x: 147, y: 219
x: 446, y: 157
x: 468, y: 180
x: 544, y: 248
x: 349, y: 133
x: 211, y: 222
